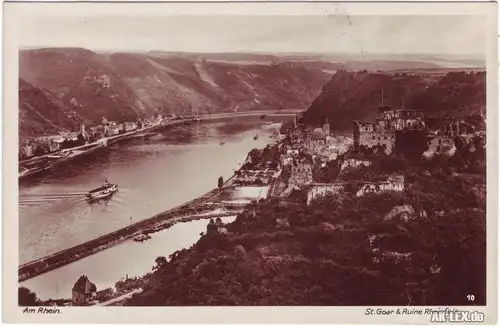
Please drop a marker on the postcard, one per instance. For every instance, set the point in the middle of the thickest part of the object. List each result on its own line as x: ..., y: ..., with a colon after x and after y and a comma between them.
x: 250, y: 162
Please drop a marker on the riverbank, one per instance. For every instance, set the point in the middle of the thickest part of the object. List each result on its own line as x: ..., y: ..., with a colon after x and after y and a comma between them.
x: 42, y: 164
x: 205, y: 206
x: 397, y: 244
x: 39, y: 165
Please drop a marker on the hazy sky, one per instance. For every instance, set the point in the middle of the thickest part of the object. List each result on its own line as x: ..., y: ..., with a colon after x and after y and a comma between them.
x: 461, y: 35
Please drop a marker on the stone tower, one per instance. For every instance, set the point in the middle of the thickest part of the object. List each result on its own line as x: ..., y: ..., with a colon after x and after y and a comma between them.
x: 356, y: 134
x: 326, y: 127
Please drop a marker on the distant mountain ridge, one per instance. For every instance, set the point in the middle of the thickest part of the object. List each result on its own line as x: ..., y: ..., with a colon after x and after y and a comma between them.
x: 64, y: 87
x: 125, y: 86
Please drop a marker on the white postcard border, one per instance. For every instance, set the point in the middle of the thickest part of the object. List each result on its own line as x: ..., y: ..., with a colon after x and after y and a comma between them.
x: 14, y: 15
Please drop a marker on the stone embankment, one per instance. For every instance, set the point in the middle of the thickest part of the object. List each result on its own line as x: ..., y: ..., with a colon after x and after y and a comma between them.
x: 192, y: 210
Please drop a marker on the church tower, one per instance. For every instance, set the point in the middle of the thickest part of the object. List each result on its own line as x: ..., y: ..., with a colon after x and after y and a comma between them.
x: 326, y: 127
x: 84, y: 133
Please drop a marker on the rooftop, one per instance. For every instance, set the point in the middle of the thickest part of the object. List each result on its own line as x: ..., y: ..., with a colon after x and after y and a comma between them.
x: 84, y: 285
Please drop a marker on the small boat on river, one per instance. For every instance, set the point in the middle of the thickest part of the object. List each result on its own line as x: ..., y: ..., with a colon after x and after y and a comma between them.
x: 105, y: 191
x: 256, y: 137
x: 141, y: 237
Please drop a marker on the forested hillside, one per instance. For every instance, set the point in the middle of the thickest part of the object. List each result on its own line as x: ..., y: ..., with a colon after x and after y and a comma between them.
x: 349, y: 96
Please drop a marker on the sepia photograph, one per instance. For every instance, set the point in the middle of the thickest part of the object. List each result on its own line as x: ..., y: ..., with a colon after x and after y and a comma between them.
x: 168, y: 159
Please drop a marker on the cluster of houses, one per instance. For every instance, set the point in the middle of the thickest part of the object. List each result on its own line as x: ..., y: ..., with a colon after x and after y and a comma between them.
x: 256, y: 177
x: 317, y: 143
x: 303, y: 148
x: 49, y: 144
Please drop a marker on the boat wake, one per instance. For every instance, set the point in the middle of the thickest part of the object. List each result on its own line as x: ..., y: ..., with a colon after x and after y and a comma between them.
x: 30, y: 200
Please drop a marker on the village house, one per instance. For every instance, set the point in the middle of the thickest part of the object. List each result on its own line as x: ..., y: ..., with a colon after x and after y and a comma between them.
x: 315, y: 146
x: 301, y: 174
x: 216, y: 227
x: 394, y: 183
x: 55, y: 142
x: 286, y: 160
x: 84, y: 292
x: 255, y: 176
x: 130, y: 126
x: 319, y: 190
x: 71, y: 136
x: 354, y: 162
x: 28, y: 150
x: 97, y: 132
x: 111, y: 130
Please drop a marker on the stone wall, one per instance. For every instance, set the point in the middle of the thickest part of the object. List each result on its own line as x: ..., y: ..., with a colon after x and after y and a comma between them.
x: 373, y: 139
x: 395, y: 183
x: 440, y: 145
x: 320, y: 190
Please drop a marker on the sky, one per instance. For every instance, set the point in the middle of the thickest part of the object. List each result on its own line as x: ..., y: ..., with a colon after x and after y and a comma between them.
x: 425, y: 34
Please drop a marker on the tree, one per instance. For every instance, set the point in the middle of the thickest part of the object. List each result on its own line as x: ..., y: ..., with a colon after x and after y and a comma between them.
x: 80, y: 141
x: 220, y: 183
x: 26, y: 297
x: 160, y: 262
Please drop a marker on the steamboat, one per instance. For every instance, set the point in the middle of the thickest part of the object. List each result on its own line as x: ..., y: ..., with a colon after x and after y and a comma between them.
x: 103, y: 192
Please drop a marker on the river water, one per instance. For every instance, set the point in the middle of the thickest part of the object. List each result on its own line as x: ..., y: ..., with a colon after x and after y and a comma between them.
x: 171, y: 168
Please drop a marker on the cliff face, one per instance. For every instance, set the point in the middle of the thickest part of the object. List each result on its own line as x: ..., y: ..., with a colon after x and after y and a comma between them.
x: 349, y: 96
x: 124, y: 86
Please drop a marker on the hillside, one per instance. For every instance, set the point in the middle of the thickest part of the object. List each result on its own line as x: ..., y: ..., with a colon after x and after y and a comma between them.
x: 456, y: 93
x: 343, y: 250
x: 349, y: 96
x: 124, y: 86
x: 41, y: 112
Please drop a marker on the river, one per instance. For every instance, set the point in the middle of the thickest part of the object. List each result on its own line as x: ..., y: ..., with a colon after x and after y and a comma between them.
x: 171, y: 168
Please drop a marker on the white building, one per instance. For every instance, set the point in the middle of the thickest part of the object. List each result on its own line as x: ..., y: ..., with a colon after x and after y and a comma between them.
x: 352, y: 162
x: 395, y: 183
